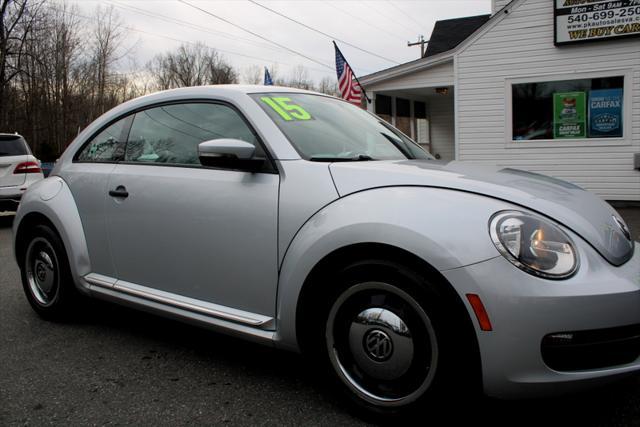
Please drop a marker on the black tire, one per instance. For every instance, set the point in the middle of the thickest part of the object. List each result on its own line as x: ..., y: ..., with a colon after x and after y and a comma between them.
x: 46, y: 277
x: 366, y: 298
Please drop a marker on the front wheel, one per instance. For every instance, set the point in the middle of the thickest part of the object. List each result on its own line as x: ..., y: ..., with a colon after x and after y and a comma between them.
x: 381, y: 344
x: 392, y: 340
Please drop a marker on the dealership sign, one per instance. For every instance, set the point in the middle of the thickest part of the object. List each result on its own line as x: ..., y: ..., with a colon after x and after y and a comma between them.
x: 589, y: 20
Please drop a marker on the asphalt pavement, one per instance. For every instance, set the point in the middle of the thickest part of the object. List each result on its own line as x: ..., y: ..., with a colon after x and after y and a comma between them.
x: 118, y: 366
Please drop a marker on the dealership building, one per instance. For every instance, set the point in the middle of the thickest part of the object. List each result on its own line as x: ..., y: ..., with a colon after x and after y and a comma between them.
x: 550, y: 86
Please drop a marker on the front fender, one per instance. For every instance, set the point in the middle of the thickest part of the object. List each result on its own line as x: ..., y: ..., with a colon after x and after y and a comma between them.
x: 52, y: 198
x: 446, y: 228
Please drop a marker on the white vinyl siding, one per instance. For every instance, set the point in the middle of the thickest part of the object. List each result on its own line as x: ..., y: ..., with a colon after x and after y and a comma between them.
x: 520, y: 46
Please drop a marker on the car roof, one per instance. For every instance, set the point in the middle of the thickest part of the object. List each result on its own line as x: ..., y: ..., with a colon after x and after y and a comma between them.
x: 219, y: 90
x: 246, y: 88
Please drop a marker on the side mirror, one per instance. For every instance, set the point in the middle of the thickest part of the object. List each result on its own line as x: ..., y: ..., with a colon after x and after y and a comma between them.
x: 229, y: 153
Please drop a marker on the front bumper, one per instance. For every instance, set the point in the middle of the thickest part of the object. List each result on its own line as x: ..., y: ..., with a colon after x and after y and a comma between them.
x: 524, y: 309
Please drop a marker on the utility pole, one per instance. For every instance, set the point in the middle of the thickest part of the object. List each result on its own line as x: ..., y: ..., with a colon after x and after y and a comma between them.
x: 420, y: 42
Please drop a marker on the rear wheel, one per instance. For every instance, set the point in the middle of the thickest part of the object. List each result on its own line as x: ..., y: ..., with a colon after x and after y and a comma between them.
x: 46, y: 278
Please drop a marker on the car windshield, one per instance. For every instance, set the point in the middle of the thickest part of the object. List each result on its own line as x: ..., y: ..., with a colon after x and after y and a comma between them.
x: 327, y: 129
x: 12, y: 146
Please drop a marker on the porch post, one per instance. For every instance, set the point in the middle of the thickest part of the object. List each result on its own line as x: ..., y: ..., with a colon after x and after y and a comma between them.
x: 412, y: 119
x: 393, y: 111
x: 371, y: 106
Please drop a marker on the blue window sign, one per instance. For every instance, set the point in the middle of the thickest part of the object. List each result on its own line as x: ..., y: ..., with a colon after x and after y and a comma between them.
x: 605, y: 113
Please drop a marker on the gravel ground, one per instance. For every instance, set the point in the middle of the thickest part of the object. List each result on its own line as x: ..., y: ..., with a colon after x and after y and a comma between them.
x: 119, y: 366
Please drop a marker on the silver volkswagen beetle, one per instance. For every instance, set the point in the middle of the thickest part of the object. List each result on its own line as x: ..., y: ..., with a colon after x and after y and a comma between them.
x: 299, y: 221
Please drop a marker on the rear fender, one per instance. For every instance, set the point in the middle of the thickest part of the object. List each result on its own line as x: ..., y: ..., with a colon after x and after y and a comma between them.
x: 52, y: 199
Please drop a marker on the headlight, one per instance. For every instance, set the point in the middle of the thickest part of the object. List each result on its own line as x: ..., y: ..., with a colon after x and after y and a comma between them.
x: 534, y: 244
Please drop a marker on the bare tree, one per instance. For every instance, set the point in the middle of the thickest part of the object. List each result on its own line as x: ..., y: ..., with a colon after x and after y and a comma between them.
x: 191, y: 65
x: 328, y: 85
x: 219, y: 71
x: 66, y: 77
x: 299, y: 78
x: 107, y: 40
x: 65, y: 37
x: 15, y: 24
x: 253, y: 75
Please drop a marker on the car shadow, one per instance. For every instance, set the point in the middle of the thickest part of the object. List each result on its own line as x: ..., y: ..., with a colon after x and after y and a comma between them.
x: 612, y: 404
x: 6, y: 219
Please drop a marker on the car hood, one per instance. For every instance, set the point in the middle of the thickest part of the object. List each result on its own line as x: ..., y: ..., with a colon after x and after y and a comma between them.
x: 575, y: 208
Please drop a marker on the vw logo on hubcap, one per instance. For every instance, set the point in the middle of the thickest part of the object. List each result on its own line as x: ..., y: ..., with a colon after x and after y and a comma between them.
x: 41, y: 272
x: 378, y: 345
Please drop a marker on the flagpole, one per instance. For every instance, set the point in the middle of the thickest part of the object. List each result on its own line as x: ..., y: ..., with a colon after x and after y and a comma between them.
x: 354, y: 74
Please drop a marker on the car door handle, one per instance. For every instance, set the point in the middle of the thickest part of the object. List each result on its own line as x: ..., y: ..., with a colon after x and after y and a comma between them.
x: 120, y: 192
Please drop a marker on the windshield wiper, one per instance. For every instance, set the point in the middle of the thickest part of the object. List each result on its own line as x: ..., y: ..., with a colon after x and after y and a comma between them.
x: 358, y: 158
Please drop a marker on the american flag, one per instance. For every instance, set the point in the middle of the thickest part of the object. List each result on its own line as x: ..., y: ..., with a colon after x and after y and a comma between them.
x: 349, y: 88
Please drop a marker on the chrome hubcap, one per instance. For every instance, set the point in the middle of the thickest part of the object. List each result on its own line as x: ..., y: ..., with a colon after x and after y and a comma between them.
x: 41, y: 271
x: 381, y: 344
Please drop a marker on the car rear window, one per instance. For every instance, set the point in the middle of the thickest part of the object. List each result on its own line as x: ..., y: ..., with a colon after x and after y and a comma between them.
x: 12, y: 146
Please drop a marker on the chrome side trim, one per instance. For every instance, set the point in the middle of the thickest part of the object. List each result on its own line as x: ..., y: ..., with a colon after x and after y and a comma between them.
x: 100, y: 280
x: 181, y: 302
x: 258, y: 335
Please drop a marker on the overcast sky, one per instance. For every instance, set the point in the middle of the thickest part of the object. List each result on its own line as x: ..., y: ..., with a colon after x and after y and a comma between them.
x: 382, y: 27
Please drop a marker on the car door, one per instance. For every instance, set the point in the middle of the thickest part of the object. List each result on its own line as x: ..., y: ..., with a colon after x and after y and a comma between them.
x: 87, y: 177
x: 189, y: 231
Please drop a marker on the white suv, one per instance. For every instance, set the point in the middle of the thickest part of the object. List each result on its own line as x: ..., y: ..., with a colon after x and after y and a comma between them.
x: 18, y: 170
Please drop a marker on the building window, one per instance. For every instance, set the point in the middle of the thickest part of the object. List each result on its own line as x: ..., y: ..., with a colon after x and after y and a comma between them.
x: 568, y: 109
x: 383, y: 107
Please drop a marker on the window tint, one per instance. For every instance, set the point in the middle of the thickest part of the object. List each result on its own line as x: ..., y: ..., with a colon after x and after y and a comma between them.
x: 108, y: 145
x: 12, y: 146
x: 171, y: 133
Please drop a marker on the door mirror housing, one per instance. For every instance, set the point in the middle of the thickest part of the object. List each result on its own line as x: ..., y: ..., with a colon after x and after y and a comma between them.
x: 229, y: 153
x: 225, y: 147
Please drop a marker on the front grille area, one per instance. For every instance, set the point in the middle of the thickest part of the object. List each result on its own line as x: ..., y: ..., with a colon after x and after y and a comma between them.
x: 593, y: 349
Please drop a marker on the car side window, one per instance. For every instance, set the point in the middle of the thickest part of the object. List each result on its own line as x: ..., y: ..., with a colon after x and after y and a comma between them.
x: 171, y: 133
x: 108, y: 145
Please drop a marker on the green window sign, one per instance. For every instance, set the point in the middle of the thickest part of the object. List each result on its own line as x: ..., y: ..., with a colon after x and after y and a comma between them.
x: 286, y: 108
x: 569, y: 115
